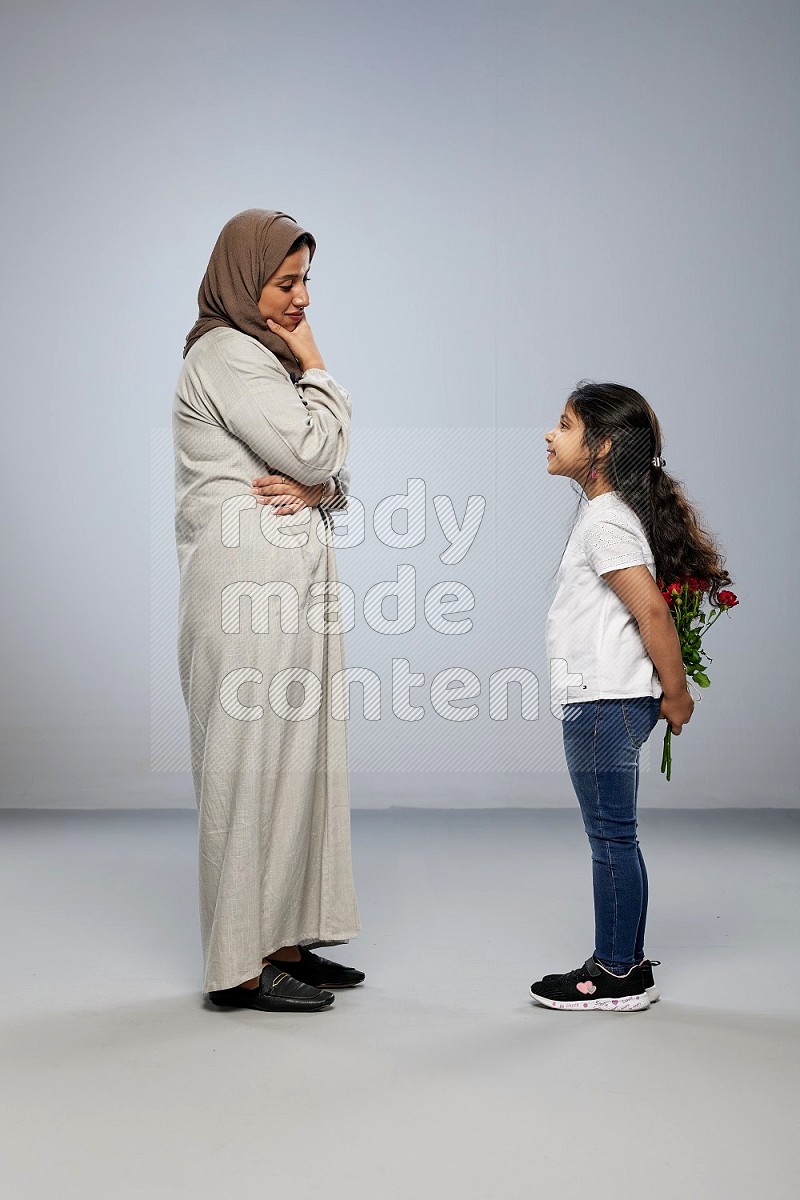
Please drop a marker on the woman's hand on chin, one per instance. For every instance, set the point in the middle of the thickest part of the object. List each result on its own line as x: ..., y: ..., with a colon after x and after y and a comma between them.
x: 300, y: 341
x: 286, y: 495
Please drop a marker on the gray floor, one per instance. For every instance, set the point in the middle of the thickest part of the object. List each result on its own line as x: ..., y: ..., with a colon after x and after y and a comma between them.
x: 439, y: 1078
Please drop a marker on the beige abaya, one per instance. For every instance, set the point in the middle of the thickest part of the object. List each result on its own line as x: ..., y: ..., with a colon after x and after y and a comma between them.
x: 268, y: 760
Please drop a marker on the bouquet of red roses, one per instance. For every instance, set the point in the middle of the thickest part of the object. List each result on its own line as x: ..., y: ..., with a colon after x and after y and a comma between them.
x: 692, y: 621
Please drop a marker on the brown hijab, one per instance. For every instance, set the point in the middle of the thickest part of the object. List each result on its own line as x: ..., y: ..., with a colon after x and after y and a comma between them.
x: 249, y: 250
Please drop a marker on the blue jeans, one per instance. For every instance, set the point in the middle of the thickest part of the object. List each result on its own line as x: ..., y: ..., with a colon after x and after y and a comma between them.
x: 602, y: 739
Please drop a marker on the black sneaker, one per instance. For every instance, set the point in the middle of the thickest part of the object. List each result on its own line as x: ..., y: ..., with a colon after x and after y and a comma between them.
x: 320, y: 972
x: 646, y: 966
x: 593, y: 987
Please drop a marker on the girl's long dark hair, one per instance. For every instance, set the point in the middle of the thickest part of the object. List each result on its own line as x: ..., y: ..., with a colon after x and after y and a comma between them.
x: 681, y: 548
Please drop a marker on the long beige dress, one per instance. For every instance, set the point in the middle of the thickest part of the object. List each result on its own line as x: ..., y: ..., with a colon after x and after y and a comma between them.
x: 270, y: 766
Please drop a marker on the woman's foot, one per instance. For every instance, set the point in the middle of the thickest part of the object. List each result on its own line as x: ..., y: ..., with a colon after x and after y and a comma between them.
x: 593, y: 987
x: 276, y: 991
x: 285, y: 954
x: 319, y: 972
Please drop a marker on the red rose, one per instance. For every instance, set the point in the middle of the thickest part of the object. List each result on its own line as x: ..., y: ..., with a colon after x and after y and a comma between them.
x: 668, y: 597
x: 674, y: 589
x: 727, y: 600
x: 703, y: 584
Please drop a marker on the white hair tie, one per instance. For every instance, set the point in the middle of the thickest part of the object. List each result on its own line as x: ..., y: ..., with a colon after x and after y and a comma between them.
x: 658, y: 461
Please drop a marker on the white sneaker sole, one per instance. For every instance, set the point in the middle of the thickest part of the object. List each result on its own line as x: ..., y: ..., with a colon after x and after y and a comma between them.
x: 653, y: 994
x: 618, y: 1004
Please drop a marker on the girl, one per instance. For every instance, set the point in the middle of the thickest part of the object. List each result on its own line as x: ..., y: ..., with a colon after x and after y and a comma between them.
x: 611, y: 627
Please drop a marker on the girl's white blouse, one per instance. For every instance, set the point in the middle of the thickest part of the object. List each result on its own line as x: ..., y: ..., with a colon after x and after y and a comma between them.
x: 594, y: 648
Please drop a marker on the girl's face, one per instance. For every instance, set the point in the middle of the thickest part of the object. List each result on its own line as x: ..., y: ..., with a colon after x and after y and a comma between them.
x: 284, y: 296
x: 566, y: 452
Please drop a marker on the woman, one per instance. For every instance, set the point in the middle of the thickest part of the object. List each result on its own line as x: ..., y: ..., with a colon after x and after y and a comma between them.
x: 256, y: 409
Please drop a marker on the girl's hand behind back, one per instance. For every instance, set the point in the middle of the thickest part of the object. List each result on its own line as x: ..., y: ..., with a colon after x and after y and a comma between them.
x: 640, y: 594
x: 677, y: 710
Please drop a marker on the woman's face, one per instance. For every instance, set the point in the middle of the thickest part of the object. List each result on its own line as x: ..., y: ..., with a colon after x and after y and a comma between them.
x: 284, y: 297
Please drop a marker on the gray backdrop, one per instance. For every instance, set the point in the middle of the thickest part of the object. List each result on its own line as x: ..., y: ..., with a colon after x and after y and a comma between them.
x: 507, y: 197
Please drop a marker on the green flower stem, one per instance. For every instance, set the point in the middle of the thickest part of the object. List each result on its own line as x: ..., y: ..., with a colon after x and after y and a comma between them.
x: 715, y: 617
x: 666, y: 755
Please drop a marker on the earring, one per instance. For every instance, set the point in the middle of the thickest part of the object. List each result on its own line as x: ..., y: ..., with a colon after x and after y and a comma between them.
x: 593, y: 473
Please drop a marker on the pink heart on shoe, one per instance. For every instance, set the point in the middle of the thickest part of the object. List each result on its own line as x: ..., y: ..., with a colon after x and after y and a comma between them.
x: 586, y: 989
